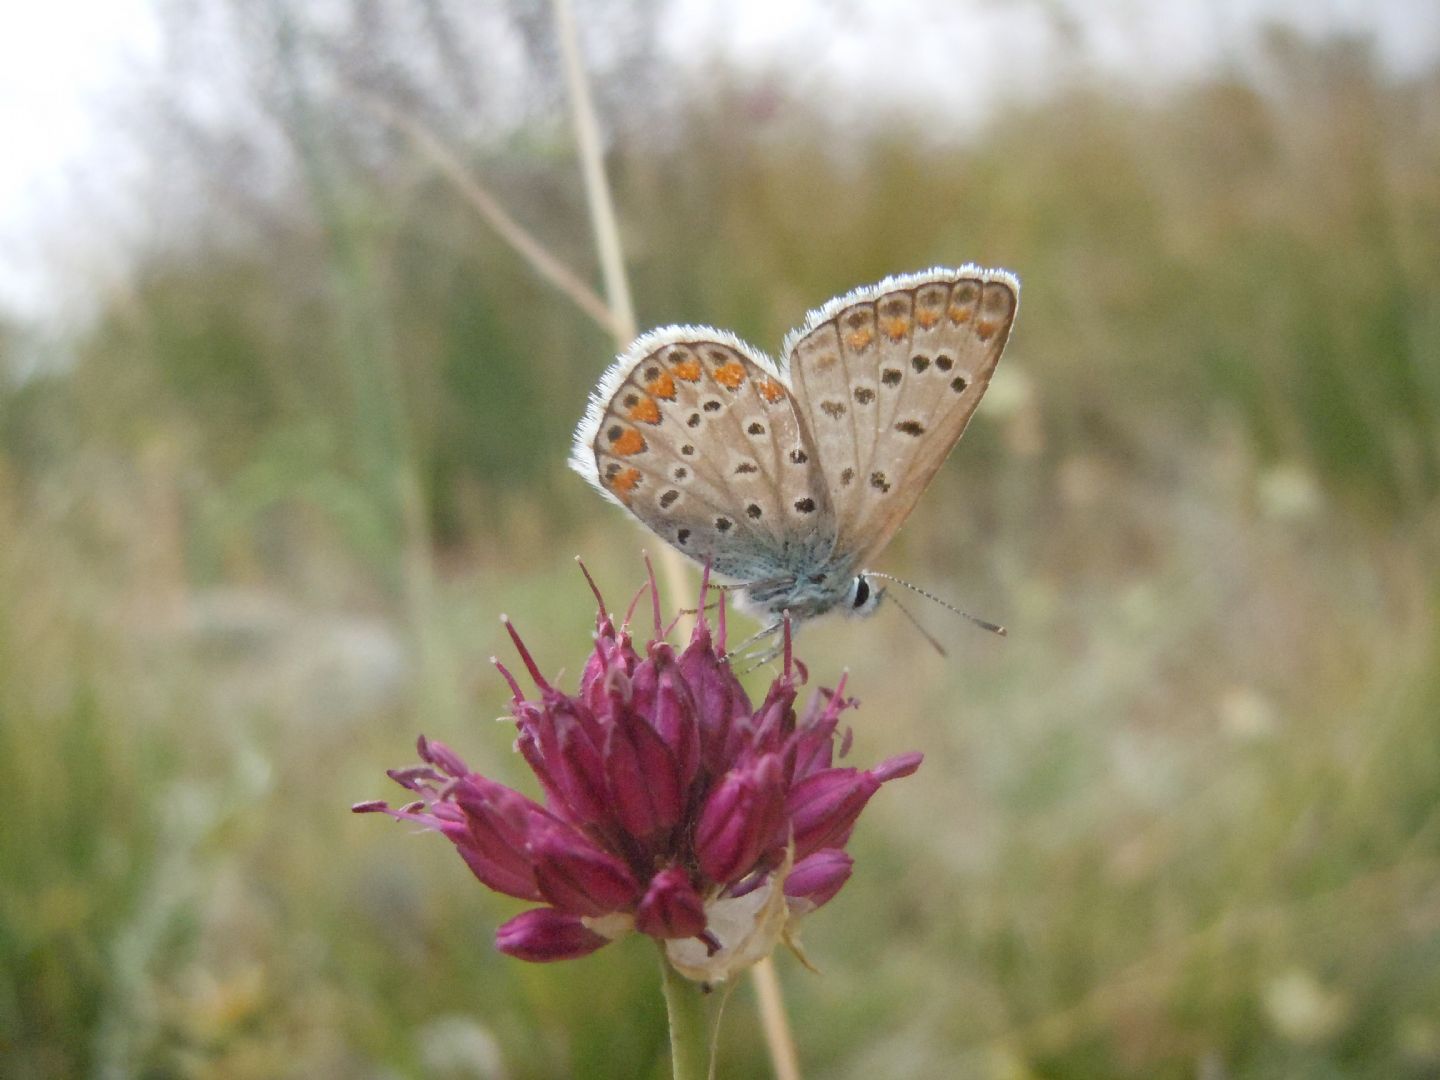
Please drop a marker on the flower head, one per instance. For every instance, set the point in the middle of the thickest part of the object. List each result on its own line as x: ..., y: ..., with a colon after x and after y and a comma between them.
x: 671, y: 806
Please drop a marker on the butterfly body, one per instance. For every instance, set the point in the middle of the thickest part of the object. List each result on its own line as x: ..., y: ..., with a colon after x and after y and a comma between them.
x: 786, y: 478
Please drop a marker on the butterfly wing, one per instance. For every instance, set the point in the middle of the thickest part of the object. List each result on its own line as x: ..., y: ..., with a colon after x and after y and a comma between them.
x: 886, y: 378
x: 696, y: 435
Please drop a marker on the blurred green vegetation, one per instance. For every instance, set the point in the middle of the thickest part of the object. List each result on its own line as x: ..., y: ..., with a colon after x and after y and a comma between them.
x: 256, y: 527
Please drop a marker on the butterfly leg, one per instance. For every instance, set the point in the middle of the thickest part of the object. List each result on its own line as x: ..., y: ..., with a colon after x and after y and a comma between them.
x: 756, y: 651
x: 765, y: 656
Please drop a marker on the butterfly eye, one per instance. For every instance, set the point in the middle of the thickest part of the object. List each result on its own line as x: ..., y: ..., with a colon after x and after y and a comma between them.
x: 862, y: 593
x: 864, y: 597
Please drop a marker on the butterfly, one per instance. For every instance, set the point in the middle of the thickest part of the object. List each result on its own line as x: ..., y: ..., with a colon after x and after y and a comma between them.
x: 789, y: 478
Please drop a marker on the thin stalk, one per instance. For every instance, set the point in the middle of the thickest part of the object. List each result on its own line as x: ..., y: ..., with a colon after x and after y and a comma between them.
x: 520, y: 239
x: 597, y: 187
x: 775, y: 1021
x: 603, y: 224
x: 685, y: 1005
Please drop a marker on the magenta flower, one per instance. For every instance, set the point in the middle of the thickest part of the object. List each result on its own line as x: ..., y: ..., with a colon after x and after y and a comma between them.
x: 671, y: 806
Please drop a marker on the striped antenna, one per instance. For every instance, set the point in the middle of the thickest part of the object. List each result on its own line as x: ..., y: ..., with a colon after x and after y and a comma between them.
x: 984, y: 624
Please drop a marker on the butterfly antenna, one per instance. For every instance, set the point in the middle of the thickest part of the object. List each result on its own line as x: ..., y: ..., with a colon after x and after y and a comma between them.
x: 717, y: 586
x: 984, y: 624
x: 916, y: 623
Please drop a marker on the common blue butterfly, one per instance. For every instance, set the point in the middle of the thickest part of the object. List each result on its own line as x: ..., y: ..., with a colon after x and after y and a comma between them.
x: 788, y: 478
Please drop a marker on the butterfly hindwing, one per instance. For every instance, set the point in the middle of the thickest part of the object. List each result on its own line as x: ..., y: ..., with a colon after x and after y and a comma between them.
x: 887, y: 377
x: 696, y: 435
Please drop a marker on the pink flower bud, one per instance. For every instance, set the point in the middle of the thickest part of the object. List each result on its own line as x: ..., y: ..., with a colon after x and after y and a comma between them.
x: 671, y: 907
x: 741, y: 820
x: 492, y: 835
x: 895, y: 767
x: 441, y: 756
x: 578, y: 877
x: 720, y: 701
x: 819, y: 877
x: 662, y: 695
x: 824, y: 806
x: 579, y: 775
x: 544, y: 934
x: 644, y: 780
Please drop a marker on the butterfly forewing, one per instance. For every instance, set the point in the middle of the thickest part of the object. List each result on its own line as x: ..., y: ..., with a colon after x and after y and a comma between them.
x: 887, y: 378
x: 696, y: 435
x: 833, y: 373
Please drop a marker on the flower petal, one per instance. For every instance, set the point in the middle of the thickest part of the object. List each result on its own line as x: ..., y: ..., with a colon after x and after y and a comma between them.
x: 579, y: 773
x: 671, y: 907
x: 644, y: 781
x: 815, y: 736
x: 494, y: 836
x: 441, y: 756
x: 662, y: 696
x: 741, y: 820
x: 816, y: 879
x: 613, y: 656
x: 719, y: 698
x: 578, y: 877
x: 544, y: 934
x: 774, y: 721
x: 823, y: 807
x: 900, y: 765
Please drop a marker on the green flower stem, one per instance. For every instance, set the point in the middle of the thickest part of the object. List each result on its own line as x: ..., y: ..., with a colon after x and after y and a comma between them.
x: 689, y: 1050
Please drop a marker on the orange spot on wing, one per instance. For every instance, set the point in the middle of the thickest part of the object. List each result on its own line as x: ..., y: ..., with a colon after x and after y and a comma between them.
x: 858, y: 339
x: 630, y: 442
x: 959, y: 314
x: 729, y: 375
x: 689, y: 370
x: 623, y: 484
x: 770, y: 390
x: 646, y: 411
x: 984, y: 329
x: 663, y: 387
x: 927, y: 318
x: 895, y: 328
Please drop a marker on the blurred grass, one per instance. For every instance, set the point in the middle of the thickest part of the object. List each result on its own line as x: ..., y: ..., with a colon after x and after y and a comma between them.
x: 255, y: 534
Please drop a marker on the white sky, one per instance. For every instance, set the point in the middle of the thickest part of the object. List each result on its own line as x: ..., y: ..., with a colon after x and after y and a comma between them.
x: 63, y: 168
x: 59, y: 61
